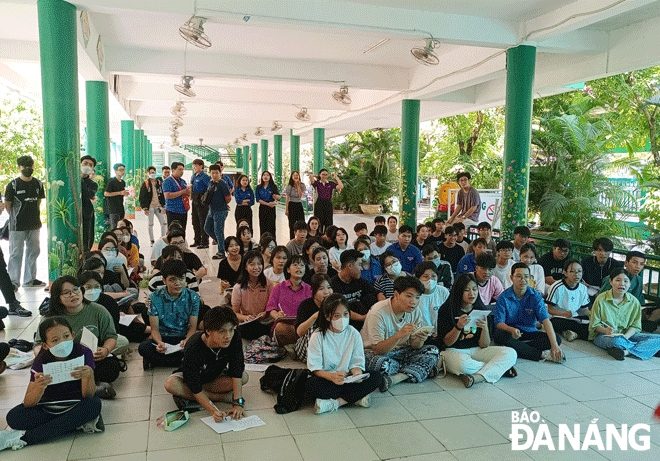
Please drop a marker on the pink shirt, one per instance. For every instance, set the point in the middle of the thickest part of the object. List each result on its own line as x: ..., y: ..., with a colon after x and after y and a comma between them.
x: 284, y: 298
x: 491, y: 290
x: 251, y: 300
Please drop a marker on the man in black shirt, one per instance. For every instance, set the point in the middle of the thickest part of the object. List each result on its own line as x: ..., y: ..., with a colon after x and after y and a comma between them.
x: 553, y: 261
x: 595, y: 268
x: 115, y: 191
x: 449, y: 250
x: 359, y: 293
x: 23, y: 197
x: 191, y: 260
x: 213, y: 369
x: 88, y: 192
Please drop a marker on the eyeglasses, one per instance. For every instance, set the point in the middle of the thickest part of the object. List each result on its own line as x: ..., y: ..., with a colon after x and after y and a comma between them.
x: 271, y: 247
x: 110, y: 249
x: 72, y: 292
x: 522, y: 277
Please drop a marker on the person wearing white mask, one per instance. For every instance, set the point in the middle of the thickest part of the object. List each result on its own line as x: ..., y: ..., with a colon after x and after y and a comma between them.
x: 371, y: 268
x: 336, y: 352
x: 88, y: 191
x: 152, y: 202
x: 392, y: 270
x: 433, y: 297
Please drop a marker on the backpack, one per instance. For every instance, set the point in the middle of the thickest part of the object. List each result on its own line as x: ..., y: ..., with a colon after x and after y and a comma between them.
x: 273, y: 378
x: 292, y: 393
x: 263, y: 350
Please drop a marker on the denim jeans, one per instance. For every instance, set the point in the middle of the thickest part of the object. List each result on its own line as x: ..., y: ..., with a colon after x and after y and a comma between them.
x: 215, y: 228
x: 641, y: 345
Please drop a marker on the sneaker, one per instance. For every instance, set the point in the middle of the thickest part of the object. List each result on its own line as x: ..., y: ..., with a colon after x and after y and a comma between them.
x: 34, y: 284
x: 616, y: 353
x: 105, y: 391
x: 17, y: 309
x: 194, y: 245
x: 325, y: 406
x: 11, y: 439
x: 95, y: 425
x: 569, y: 335
x: 217, y: 256
x: 546, y: 356
x: 364, y: 401
x: 180, y: 402
x: 202, y: 246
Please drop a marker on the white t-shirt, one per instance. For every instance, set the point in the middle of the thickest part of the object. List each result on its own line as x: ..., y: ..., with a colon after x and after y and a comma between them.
x: 342, y: 351
x: 381, y: 323
x: 157, y: 249
x: 516, y: 255
x: 335, y: 253
x: 504, y: 273
x: 275, y: 278
x: 392, y: 237
x: 429, y: 305
x: 377, y: 251
x: 537, y: 282
x: 566, y: 298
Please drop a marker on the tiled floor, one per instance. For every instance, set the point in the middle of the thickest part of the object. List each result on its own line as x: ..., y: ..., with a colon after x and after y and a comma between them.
x: 436, y: 420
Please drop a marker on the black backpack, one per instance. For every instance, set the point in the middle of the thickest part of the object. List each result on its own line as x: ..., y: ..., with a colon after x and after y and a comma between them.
x: 292, y: 392
x: 273, y: 378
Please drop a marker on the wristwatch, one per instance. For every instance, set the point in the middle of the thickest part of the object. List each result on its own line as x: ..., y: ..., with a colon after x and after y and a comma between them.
x: 240, y: 402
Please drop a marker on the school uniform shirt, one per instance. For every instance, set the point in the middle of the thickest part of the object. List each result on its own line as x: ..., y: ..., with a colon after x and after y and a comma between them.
x: 446, y: 323
x: 551, y: 266
x: 285, y: 299
x: 359, y: 294
x: 622, y: 317
x: 200, y: 182
x: 593, y: 273
x: 324, y: 191
x: 566, y: 298
x: 202, y: 364
x: 247, y: 194
x: 174, y: 314
x: 220, y: 193
x: 381, y: 323
x: 294, y: 247
x: 467, y: 264
x: 228, y: 182
x: 490, y: 290
x: 374, y: 271
x: 275, y: 278
x: 429, y: 305
x: 115, y: 204
x: 25, y: 198
x: 520, y: 313
x: 452, y: 255
x: 60, y: 397
x: 332, y: 352
x: 251, y: 300
x: 377, y: 251
x: 174, y: 205
x: 95, y: 318
x: 636, y: 287
x: 266, y: 193
x: 409, y: 258
x: 334, y: 254
x: 156, y: 281
x: 157, y: 249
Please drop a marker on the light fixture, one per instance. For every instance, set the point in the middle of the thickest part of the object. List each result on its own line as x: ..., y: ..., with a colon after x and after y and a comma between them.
x: 259, y: 132
x: 193, y: 32
x: 376, y: 45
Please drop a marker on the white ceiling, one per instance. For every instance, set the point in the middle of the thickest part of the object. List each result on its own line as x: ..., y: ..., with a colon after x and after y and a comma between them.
x: 269, y: 59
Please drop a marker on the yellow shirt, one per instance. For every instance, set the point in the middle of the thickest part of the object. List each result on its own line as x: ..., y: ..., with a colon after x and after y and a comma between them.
x: 621, y: 317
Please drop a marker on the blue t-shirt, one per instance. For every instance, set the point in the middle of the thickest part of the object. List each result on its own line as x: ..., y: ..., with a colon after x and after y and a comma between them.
x: 174, y: 205
x: 173, y: 314
x: 266, y: 193
x: 467, y: 264
x: 241, y: 195
x: 520, y: 313
x: 200, y: 182
x: 409, y: 258
x: 374, y: 271
x: 227, y: 179
x: 218, y: 202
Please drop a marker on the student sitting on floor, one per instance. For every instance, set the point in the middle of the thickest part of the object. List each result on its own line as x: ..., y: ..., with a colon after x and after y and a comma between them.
x: 308, y: 312
x: 443, y: 268
x: 250, y: 297
x: 335, y: 351
x: 516, y: 313
x: 597, y: 268
x: 173, y: 316
x: 467, y: 262
x: 50, y: 410
x: 384, y: 285
x: 568, y: 299
x: 469, y: 353
x: 503, y: 262
x: 171, y: 252
x: 295, y: 245
x: 212, y: 369
x: 380, y: 245
x: 275, y: 273
x: 393, y: 344
x: 359, y: 294
x: 321, y: 265
x: 490, y: 288
x: 615, y: 322
x: 340, y: 245
x: 370, y: 268
x: 433, y: 297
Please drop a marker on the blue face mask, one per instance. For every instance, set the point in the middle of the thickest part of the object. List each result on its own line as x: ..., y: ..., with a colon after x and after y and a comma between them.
x: 62, y: 350
x: 436, y: 261
x: 112, y: 259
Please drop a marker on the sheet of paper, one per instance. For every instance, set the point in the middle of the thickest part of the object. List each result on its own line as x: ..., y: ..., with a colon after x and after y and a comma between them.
x: 229, y: 425
x: 475, y: 315
x: 614, y: 334
x: 127, y: 319
x: 354, y: 379
x: 574, y: 319
x: 425, y: 329
x: 89, y: 340
x: 61, y: 371
x: 255, y: 367
x: 592, y: 291
x: 172, y: 348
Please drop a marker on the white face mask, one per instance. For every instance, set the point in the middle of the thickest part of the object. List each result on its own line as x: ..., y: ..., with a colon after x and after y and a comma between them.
x: 152, y: 175
x: 86, y: 169
x: 394, y: 269
x: 340, y: 324
x: 430, y: 285
x: 126, y: 238
x: 366, y: 254
x: 112, y: 260
x: 92, y: 294
x: 62, y: 350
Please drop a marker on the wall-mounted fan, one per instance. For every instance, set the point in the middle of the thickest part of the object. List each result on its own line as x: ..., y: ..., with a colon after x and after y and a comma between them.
x: 342, y: 95
x: 178, y: 109
x: 303, y: 116
x: 244, y: 138
x: 259, y: 132
x: 425, y: 54
x: 193, y: 32
x: 276, y: 126
x: 185, y: 86
x: 177, y: 122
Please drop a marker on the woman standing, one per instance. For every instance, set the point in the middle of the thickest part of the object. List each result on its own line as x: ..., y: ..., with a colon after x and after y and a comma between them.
x: 324, y: 189
x: 294, y: 192
x: 244, y: 200
x: 267, y: 195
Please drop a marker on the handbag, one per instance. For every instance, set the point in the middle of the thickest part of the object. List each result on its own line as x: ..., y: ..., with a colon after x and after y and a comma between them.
x: 184, y: 198
x: 207, y: 198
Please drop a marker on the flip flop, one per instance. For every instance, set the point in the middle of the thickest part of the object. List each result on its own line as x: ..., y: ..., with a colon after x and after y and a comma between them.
x: 511, y: 373
x: 468, y: 380
x: 385, y: 383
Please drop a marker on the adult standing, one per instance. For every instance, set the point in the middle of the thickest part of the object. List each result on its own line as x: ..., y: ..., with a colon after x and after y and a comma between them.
x: 294, y: 192
x: 115, y: 191
x: 200, y: 183
x: 468, y: 202
x: 22, y: 199
x: 267, y: 194
x: 215, y: 220
x: 177, y: 196
x: 152, y: 201
x: 244, y: 201
x: 324, y: 189
x: 88, y: 191
x: 225, y: 177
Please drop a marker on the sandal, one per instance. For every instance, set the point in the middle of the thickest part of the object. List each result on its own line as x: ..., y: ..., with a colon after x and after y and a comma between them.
x: 435, y: 371
x: 385, y: 383
x: 468, y: 380
x: 510, y: 373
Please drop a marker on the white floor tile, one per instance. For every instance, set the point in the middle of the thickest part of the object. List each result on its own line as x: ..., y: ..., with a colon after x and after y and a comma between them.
x: 382, y: 411
x: 433, y: 405
x: 628, y: 384
x: 485, y: 397
x: 624, y: 411
x: 204, y: 452
x: 401, y: 439
x: 118, y: 439
x: 463, y: 432
x: 583, y: 389
x: 275, y: 427
x: 305, y: 421
x: 347, y: 444
x: 275, y: 449
x: 534, y: 394
x: 493, y: 453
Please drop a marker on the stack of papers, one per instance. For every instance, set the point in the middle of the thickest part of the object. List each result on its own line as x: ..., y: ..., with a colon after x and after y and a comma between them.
x: 231, y: 425
x: 61, y: 371
x: 356, y: 378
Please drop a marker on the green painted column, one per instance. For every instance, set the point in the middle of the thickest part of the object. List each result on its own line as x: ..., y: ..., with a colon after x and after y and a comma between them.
x: 520, y: 66
x: 264, y: 155
x: 254, y: 168
x: 128, y: 153
x: 59, y: 84
x: 295, y: 152
x: 246, y: 160
x: 239, y: 158
x: 319, y: 149
x: 98, y: 144
x: 409, y: 162
x: 150, y: 154
x: 277, y: 160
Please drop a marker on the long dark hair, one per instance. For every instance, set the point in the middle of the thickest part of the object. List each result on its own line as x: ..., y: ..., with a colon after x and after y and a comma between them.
x: 49, y: 323
x: 318, y: 221
x: 244, y: 277
x: 292, y: 183
x: 238, y: 183
x: 330, y: 304
x: 334, y: 240
x: 55, y: 306
x: 271, y: 181
x: 454, y: 302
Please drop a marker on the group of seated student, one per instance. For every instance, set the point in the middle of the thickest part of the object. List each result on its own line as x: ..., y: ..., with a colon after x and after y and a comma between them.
x: 400, y: 311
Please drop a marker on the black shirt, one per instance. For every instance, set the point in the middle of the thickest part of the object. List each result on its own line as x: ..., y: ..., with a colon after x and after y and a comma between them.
x: 306, y: 309
x: 220, y: 191
x: 88, y: 190
x: 225, y: 272
x: 192, y: 261
x: 116, y: 203
x: 437, y: 241
x: 551, y: 266
x: 452, y: 255
x: 417, y: 244
x: 110, y: 278
x: 446, y: 323
x: 111, y: 306
x: 25, y: 200
x: 360, y: 295
x: 593, y: 273
x: 202, y: 365
x: 309, y: 273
